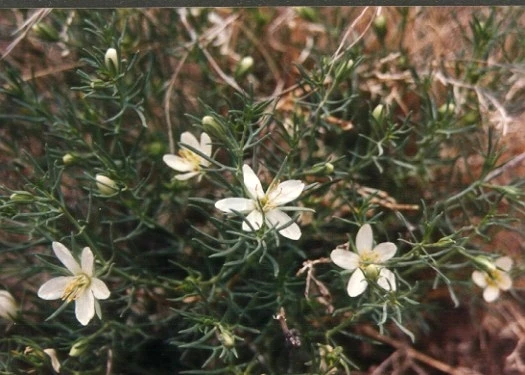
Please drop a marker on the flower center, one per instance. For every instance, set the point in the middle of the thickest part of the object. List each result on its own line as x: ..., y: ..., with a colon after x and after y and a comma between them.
x: 368, y: 257
x: 264, y: 203
x: 192, y: 157
x: 76, y: 287
x: 368, y: 261
x: 494, y: 278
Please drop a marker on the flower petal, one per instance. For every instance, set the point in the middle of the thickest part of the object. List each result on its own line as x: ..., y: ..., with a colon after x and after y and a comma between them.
x: 504, y: 281
x: 186, y: 176
x: 292, y: 232
x: 87, y: 261
x: 504, y: 263
x: 99, y: 289
x: 190, y: 140
x: 205, y: 146
x: 285, y: 192
x: 357, y: 283
x: 276, y: 218
x: 252, y: 183
x: 491, y: 293
x: 479, y: 278
x: 64, y: 255
x: 345, y: 259
x: 242, y: 205
x: 178, y: 163
x: 255, y: 218
x: 85, y: 307
x: 364, y: 240
x: 387, y: 280
x: 385, y: 251
x: 55, y: 363
x: 54, y: 288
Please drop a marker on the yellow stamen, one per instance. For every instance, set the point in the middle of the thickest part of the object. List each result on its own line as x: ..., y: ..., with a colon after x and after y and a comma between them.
x: 192, y: 157
x: 76, y: 287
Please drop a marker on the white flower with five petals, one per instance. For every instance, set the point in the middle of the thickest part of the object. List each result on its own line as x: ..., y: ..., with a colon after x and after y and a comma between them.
x: 494, y: 279
x: 188, y: 161
x: 266, y: 207
x: 82, y: 287
x: 366, y: 263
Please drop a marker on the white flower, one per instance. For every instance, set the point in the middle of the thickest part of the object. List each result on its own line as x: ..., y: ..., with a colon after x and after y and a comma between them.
x: 8, y: 305
x: 82, y: 287
x: 367, y: 262
x: 189, y: 161
x: 262, y: 207
x: 494, y: 279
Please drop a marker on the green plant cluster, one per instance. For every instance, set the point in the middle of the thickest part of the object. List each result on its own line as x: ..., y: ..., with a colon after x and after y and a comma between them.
x: 191, y: 291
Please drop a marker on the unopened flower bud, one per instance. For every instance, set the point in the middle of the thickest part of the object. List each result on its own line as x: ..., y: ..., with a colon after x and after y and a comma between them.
x: 22, y: 196
x: 45, y: 32
x: 8, y: 305
x: 372, y: 271
x: 380, y: 26
x: 211, y: 126
x: 111, y: 60
x: 378, y: 113
x: 227, y: 339
x: 447, y: 109
x: 68, y: 159
x: 344, y: 68
x: 78, y: 348
x: 106, y: 186
x: 484, y: 263
x: 244, y: 66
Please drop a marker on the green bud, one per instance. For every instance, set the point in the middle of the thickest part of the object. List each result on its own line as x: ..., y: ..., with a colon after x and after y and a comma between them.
x: 372, y: 271
x: 484, y: 263
x: 22, y: 197
x: 155, y: 148
x: 227, y: 339
x: 470, y: 118
x: 45, y: 32
x: 380, y: 26
x: 447, y: 109
x: 78, y: 348
x: 323, y: 168
x: 379, y: 113
x: 306, y: 13
x: 211, y: 126
x: 344, y: 68
x: 68, y: 159
x: 209, y: 121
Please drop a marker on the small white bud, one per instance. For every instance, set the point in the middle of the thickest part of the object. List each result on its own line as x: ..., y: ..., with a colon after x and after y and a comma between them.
x: 8, y: 305
x: 111, y: 59
x: 378, y: 112
x: 244, y: 65
x: 68, y: 159
x: 105, y: 185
